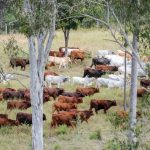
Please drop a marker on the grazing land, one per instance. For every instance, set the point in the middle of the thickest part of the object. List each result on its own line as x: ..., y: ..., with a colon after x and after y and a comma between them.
x: 80, y: 138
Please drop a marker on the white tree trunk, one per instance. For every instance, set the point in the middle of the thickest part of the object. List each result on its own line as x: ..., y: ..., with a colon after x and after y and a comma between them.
x: 36, y: 93
x: 125, y: 80
x: 66, y: 37
x: 133, y: 94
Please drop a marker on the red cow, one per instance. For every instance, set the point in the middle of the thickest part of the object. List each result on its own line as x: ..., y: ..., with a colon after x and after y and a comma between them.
x: 66, y: 99
x: 49, y: 65
x: 87, y: 90
x: 60, y: 119
x: 76, y: 54
x: 106, y: 68
x: 49, y: 73
x: 53, y: 92
x: 8, y: 122
x: 56, y: 53
x: 18, y: 104
x: 57, y: 106
x: 102, y: 104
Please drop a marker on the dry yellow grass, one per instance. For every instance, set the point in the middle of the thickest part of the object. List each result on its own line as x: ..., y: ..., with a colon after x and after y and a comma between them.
x: 12, y: 138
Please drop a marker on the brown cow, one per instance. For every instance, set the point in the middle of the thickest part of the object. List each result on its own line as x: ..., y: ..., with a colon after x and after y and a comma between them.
x: 142, y: 91
x: 84, y: 115
x: 1, y: 97
x: 57, y: 106
x: 106, y: 68
x: 1, y: 90
x: 18, y: 104
x: 25, y: 118
x: 9, y: 93
x: 145, y: 83
x: 61, y: 118
x: 20, y: 94
x: 102, y: 104
x: 46, y: 98
x: 76, y: 54
x: 56, y: 53
x: 67, y: 99
x: 49, y: 65
x: 49, y: 73
x: 87, y: 90
x: 8, y: 122
x: 73, y: 94
x: 3, y: 116
x: 15, y: 62
x: 53, y: 92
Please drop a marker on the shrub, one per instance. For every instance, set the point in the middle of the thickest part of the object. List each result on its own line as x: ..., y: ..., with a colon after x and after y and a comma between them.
x: 119, y: 119
x: 11, y: 48
x: 56, y: 147
x: 116, y: 144
x: 96, y: 135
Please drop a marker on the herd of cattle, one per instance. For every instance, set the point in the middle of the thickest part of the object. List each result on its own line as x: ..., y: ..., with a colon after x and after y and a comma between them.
x: 65, y: 108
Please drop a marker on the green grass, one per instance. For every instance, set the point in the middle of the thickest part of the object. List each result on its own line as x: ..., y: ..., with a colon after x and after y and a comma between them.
x: 12, y: 138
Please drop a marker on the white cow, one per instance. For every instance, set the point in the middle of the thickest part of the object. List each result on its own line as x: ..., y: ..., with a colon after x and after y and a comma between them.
x: 115, y: 77
x: 83, y: 81
x: 116, y: 60
x: 61, y: 61
x: 141, y: 73
x: 49, y: 80
x: 110, y: 83
x: 102, y: 82
x: 116, y: 83
x: 101, y: 53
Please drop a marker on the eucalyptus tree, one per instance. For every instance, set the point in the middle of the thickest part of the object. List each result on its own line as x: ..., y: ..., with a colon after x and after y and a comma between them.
x: 131, y: 15
x: 3, y: 5
x: 68, y: 17
x: 37, y: 22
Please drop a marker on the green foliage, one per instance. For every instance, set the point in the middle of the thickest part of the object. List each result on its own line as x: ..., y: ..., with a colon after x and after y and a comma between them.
x: 34, y: 18
x: 95, y: 135
x: 68, y: 14
x: 62, y: 130
x: 11, y: 48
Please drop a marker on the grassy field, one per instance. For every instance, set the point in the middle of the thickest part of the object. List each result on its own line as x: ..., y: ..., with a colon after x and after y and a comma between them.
x: 12, y: 138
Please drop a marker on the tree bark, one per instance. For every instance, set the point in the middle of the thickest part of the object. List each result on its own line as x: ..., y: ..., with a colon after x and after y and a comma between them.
x: 66, y: 37
x: 133, y: 94
x: 36, y: 94
x: 125, y: 80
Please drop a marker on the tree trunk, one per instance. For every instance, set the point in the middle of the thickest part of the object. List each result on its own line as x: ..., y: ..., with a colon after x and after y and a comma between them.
x: 66, y: 36
x: 125, y: 80
x: 133, y: 94
x: 36, y: 95
x: 107, y: 12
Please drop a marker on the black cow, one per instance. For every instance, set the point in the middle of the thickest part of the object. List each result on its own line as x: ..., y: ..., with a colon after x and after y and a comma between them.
x: 100, y: 61
x: 25, y: 118
x: 93, y: 73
